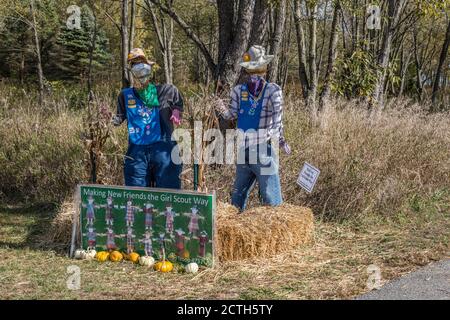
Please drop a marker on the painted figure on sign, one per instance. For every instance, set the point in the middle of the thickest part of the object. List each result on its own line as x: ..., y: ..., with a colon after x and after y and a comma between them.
x: 162, y: 244
x: 129, y: 213
x: 180, y: 243
x: 170, y: 217
x: 193, y: 226
x: 203, y: 240
x: 110, y: 239
x: 90, y: 211
x: 91, y: 235
x: 149, y: 211
x: 147, y: 241
x: 109, y: 211
x: 130, y: 240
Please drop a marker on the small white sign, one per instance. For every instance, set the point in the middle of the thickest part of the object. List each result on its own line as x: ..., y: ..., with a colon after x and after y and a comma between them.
x: 308, y: 177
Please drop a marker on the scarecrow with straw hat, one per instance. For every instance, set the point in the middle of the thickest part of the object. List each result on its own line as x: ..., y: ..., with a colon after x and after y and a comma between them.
x: 258, y: 107
x: 151, y: 112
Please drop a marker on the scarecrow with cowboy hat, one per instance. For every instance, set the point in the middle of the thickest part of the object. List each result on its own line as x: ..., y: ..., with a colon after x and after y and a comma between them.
x: 151, y: 112
x: 258, y: 107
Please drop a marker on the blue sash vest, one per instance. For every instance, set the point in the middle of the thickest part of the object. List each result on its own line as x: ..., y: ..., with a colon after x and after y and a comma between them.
x: 144, y: 127
x: 249, y: 110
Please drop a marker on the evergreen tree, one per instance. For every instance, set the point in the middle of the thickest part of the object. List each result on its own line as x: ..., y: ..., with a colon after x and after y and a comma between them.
x: 71, y: 53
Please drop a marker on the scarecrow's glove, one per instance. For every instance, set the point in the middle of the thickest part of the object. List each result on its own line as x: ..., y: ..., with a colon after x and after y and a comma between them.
x: 220, y: 108
x: 176, y: 117
x: 284, y: 145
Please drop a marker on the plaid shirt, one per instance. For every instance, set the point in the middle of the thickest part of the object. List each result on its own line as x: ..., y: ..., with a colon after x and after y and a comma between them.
x: 270, y: 123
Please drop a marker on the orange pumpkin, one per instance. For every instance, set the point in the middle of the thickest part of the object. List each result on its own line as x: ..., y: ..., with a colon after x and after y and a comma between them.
x: 164, y: 266
x: 133, y: 257
x: 102, y: 256
x: 115, y: 256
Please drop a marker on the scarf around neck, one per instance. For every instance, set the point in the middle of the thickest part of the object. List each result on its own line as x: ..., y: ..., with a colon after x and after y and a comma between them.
x: 149, y: 95
x: 255, y: 85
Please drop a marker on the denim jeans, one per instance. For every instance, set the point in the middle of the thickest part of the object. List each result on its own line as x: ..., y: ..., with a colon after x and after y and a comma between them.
x: 261, y: 165
x: 146, y: 165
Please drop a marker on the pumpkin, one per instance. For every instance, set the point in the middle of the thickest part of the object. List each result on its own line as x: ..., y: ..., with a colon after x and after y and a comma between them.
x: 79, y: 253
x: 133, y: 257
x: 102, y: 256
x: 147, y: 261
x: 115, y: 256
x: 164, y: 266
x: 191, y: 267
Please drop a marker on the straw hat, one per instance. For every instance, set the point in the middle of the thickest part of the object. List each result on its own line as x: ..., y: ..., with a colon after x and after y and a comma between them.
x: 255, y: 59
x: 137, y: 54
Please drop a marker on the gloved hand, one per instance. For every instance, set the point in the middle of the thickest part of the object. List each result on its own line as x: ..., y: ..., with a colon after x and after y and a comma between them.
x: 284, y: 145
x: 220, y: 107
x: 176, y: 117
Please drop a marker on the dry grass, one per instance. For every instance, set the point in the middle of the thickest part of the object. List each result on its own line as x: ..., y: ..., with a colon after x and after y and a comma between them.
x: 261, y: 231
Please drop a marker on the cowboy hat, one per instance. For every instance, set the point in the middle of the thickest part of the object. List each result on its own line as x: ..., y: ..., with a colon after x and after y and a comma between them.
x: 255, y: 58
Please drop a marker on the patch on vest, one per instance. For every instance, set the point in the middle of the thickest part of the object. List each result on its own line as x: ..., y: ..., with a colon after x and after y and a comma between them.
x: 244, y: 96
x: 131, y: 103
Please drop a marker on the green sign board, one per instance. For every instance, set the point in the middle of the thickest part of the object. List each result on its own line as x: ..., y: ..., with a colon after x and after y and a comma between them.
x: 148, y: 221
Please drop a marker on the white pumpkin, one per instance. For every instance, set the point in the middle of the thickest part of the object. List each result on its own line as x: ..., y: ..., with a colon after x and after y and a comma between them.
x: 147, y: 261
x: 79, y: 253
x: 90, y: 254
x: 191, y: 267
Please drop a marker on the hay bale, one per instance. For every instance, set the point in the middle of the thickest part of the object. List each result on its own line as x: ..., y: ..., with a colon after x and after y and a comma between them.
x: 60, y: 232
x: 261, y: 231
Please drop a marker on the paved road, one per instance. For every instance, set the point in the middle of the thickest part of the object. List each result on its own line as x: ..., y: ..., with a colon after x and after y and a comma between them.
x: 429, y: 283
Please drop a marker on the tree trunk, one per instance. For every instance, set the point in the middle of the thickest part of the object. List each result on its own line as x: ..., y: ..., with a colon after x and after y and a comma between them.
x: 91, y: 57
x: 405, y: 62
x: 124, y: 46
x: 284, y: 58
x: 38, y: 54
x: 229, y: 71
x: 332, y: 54
x: 168, y: 39
x: 303, y: 75
x: 275, y: 41
x: 442, y: 60
x: 312, y: 57
x: 164, y: 40
x: 132, y: 19
x: 395, y: 8
x: 259, y: 23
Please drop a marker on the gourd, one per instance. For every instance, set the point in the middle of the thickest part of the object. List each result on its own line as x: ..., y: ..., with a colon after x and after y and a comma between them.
x: 115, y: 256
x: 147, y: 261
x: 79, y: 253
x: 102, y: 256
x: 191, y: 267
x: 164, y: 266
x: 90, y: 254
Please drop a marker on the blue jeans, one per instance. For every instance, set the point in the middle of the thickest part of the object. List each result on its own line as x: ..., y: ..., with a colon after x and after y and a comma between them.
x: 146, y: 165
x: 262, y: 169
